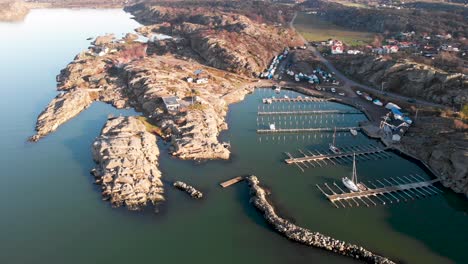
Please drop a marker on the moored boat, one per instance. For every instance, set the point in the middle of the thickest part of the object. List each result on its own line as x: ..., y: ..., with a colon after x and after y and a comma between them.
x: 352, y: 183
x: 333, y: 148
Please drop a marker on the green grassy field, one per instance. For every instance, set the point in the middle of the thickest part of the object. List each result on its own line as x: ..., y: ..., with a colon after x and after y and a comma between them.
x: 315, y: 29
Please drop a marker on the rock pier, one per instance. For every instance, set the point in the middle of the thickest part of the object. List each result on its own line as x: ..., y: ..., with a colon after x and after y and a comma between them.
x: 303, y: 235
x: 188, y: 189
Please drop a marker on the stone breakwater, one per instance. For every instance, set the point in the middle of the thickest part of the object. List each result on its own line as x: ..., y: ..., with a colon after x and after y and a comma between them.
x: 127, y: 164
x: 188, y: 189
x: 305, y: 236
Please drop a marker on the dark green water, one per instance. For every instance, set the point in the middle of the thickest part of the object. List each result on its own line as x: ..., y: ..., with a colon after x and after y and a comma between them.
x: 52, y: 213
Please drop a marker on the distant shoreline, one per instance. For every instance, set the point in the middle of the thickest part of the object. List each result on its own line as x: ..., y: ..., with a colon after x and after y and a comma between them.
x: 16, y: 11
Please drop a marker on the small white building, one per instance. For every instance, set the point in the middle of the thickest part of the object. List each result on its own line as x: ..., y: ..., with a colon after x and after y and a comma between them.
x: 201, y: 81
x: 171, y: 103
x: 189, y: 79
x: 353, y: 52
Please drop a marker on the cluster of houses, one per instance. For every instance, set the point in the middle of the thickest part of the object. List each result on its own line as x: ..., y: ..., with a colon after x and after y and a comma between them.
x: 201, y: 78
x: 197, y: 80
x: 421, y: 44
x: 337, y: 47
x: 270, y: 72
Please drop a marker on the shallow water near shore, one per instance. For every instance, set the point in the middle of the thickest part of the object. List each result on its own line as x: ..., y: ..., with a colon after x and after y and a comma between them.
x: 53, y: 213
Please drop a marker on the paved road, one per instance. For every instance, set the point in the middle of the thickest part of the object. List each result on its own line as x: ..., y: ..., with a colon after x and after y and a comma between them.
x: 348, y: 83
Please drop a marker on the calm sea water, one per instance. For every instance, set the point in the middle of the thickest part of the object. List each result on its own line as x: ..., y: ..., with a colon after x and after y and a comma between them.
x: 51, y: 212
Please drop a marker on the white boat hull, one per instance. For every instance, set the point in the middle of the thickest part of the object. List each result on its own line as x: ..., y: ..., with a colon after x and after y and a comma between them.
x: 350, y: 184
x: 334, y: 149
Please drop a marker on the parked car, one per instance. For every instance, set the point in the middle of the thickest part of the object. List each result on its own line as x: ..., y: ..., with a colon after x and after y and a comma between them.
x: 378, y: 102
x: 358, y: 92
x: 333, y: 90
x: 342, y: 94
x: 411, y: 100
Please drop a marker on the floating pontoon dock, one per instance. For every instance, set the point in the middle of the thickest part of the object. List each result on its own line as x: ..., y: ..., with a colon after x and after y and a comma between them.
x: 312, y: 112
x: 305, y: 130
x: 231, y: 181
x: 293, y: 100
x: 395, y: 189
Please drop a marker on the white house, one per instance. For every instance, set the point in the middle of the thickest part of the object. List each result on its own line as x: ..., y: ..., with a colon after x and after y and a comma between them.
x: 337, y: 49
x: 171, y: 103
x: 201, y: 81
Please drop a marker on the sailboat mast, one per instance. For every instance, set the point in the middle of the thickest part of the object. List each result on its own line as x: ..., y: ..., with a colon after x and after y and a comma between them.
x: 334, y: 134
x: 354, y: 179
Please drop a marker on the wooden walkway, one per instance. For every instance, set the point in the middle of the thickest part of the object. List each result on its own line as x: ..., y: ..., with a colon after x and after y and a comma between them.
x: 231, y: 181
x: 387, y: 190
x: 305, y: 130
x: 294, y: 100
x: 311, y: 112
x: 316, y: 158
x: 319, y: 157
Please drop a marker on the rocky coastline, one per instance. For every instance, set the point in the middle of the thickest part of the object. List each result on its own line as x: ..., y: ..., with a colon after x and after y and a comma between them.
x: 437, y: 137
x: 126, y: 157
x: 407, y: 77
x: 13, y: 11
x: 303, y: 235
x: 194, y: 193
x: 128, y: 73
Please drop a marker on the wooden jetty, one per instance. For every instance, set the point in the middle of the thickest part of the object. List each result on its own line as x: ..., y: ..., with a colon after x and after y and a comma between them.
x: 311, y: 112
x: 305, y: 130
x: 293, y: 100
x: 231, y: 181
x: 323, y: 157
x: 398, y: 189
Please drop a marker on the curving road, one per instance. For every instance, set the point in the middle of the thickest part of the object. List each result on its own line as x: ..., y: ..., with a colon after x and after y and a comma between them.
x: 348, y: 83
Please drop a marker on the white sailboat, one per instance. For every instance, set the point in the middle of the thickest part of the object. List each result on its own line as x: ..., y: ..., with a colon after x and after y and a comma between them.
x: 272, y: 126
x: 352, y: 184
x: 353, y: 131
x: 332, y: 146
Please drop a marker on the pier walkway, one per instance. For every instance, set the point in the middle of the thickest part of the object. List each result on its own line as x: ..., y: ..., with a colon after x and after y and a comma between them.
x: 386, y: 190
x: 318, y: 157
x: 231, y: 181
x: 305, y: 130
x: 293, y: 100
x: 311, y: 112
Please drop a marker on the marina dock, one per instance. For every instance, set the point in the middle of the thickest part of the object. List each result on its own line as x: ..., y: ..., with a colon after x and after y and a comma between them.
x: 312, y: 112
x: 387, y: 190
x: 305, y: 130
x: 231, y: 181
x: 358, y: 151
x: 293, y: 100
